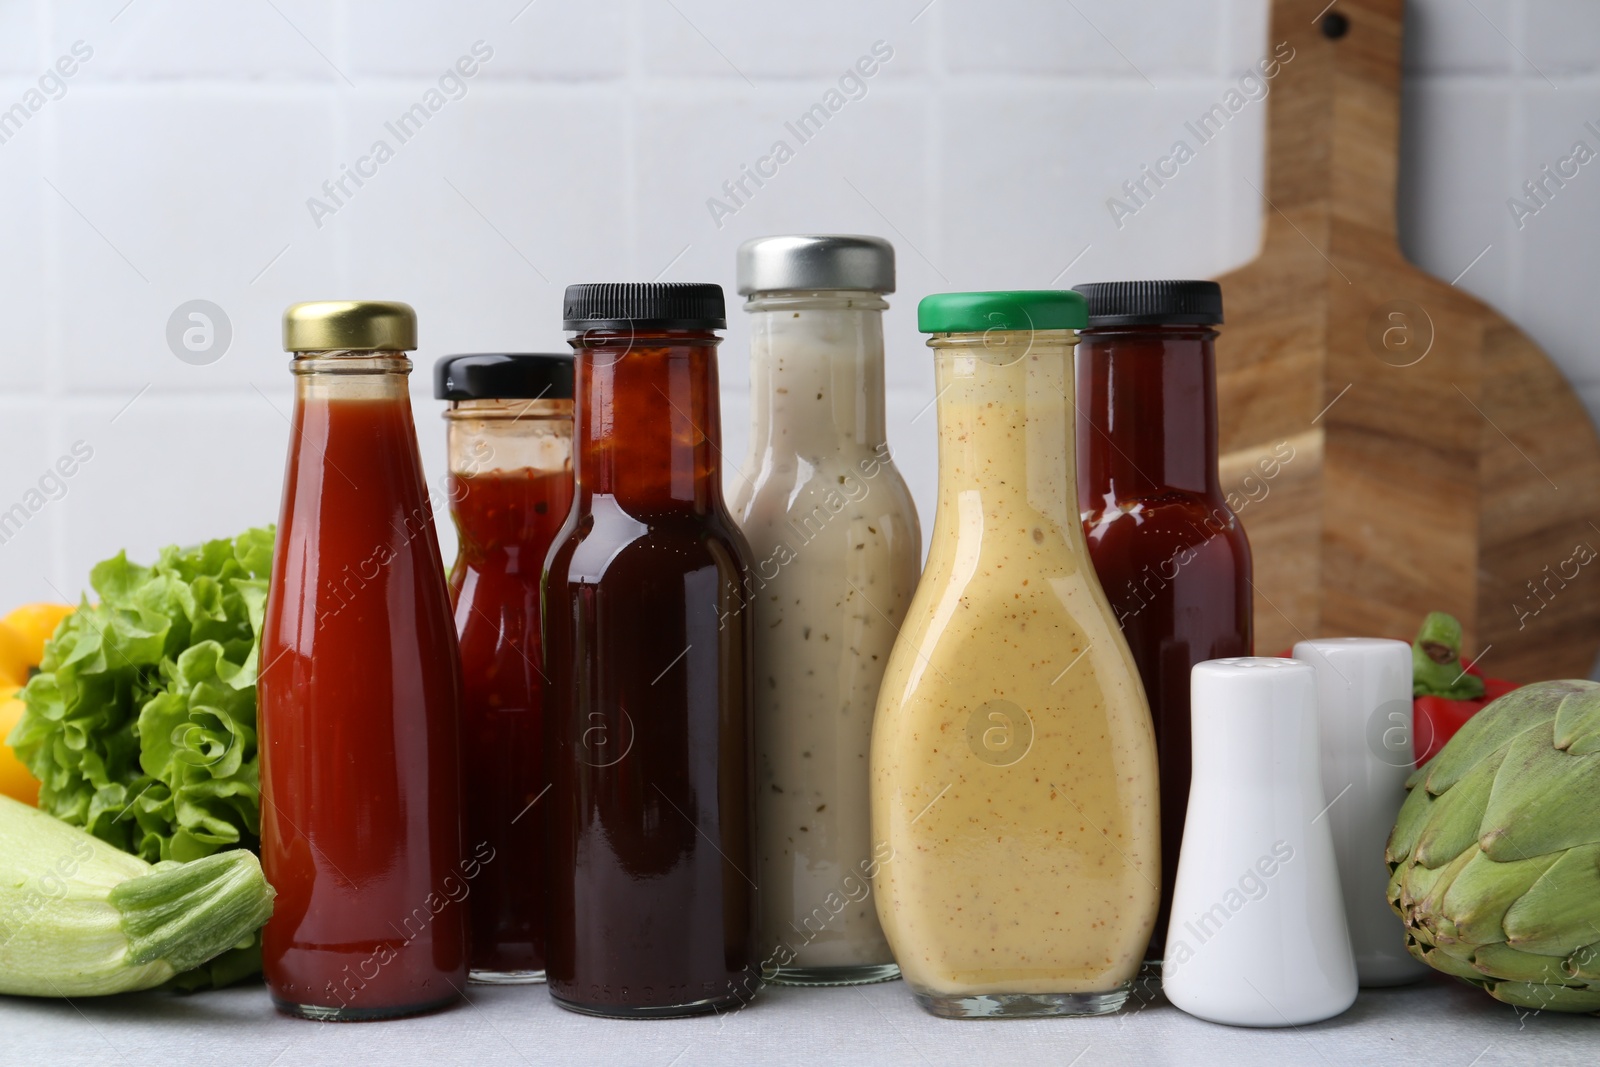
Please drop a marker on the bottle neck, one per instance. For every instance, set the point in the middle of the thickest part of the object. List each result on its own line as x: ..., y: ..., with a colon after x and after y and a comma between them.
x: 489, y: 435
x: 816, y: 373
x: 1147, y: 396
x: 347, y: 375
x: 510, y: 483
x: 647, y: 422
x: 1006, y: 431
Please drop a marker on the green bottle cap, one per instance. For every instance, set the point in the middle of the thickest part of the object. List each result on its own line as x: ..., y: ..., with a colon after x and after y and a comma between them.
x: 1015, y: 309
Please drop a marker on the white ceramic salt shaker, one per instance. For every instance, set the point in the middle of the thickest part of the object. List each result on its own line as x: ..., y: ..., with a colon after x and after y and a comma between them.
x: 1364, y: 717
x: 1258, y: 934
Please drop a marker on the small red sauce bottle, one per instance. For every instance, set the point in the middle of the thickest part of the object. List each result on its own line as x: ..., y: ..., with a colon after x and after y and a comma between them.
x: 359, y: 692
x: 1171, y: 555
x: 510, y: 487
x: 648, y: 737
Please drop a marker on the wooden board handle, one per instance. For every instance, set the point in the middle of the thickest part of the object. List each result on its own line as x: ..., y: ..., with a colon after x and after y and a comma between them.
x: 1333, y: 117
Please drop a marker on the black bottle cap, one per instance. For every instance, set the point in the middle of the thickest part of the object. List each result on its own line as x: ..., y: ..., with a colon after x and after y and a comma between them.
x: 659, y: 305
x: 1163, y: 303
x: 504, y: 376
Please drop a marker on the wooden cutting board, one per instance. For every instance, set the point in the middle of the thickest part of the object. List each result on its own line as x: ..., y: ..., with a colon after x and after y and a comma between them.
x: 1439, y: 460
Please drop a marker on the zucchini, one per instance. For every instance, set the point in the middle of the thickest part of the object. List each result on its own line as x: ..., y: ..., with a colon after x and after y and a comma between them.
x: 79, y: 917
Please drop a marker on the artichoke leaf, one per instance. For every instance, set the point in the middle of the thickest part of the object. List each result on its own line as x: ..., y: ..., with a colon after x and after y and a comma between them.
x: 1543, y: 800
x: 1397, y: 878
x: 1545, y: 997
x: 1414, y: 815
x: 1558, y: 913
x: 1508, y: 964
x: 1480, y: 895
x: 1455, y: 819
x: 1585, y: 963
x: 1429, y: 912
x: 1416, y: 884
x: 1578, y: 724
x: 1482, y: 735
x: 1450, y: 963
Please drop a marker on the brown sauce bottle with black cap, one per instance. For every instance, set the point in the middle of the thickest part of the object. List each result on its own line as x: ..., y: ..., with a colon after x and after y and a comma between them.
x: 1170, y: 552
x: 652, y: 903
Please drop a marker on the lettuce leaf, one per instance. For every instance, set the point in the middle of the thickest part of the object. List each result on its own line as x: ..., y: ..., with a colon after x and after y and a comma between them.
x: 141, y: 723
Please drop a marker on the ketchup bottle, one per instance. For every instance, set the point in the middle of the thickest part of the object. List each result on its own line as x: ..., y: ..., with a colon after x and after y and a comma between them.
x: 359, y: 692
x: 652, y: 899
x: 510, y: 439
x: 1172, y: 557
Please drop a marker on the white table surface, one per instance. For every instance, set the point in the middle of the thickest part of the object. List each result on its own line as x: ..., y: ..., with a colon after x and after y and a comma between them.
x: 1438, y: 1021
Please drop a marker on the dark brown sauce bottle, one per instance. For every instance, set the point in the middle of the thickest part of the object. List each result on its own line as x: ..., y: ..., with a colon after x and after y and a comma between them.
x: 652, y: 907
x: 1171, y: 555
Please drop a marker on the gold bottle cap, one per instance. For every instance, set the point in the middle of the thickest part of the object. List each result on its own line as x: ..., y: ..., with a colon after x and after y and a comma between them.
x: 350, y: 325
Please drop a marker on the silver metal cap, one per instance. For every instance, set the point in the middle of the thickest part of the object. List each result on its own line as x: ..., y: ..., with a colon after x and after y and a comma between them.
x: 807, y: 262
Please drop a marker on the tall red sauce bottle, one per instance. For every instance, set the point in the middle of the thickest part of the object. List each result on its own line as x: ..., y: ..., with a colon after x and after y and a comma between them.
x: 510, y: 487
x: 359, y: 693
x: 1170, y: 552
x: 652, y: 898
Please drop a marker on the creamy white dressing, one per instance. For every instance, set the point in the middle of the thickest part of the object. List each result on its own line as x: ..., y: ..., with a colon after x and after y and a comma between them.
x: 834, y: 534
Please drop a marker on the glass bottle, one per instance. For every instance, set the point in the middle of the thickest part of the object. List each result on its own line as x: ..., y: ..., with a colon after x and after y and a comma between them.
x: 1013, y: 763
x: 510, y: 486
x: 652, y: 882
x: 834, y: 535
x: 1173, y: 558
x: 360, y: 692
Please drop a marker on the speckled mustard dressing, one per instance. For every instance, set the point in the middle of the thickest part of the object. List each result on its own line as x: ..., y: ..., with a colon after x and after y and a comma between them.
x: 1013, y: 760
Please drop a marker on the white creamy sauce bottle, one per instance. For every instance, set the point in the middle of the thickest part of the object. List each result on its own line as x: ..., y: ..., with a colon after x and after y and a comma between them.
x: 834, y: 534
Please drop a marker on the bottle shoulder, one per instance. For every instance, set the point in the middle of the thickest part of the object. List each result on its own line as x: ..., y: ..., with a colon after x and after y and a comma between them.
x: 605, y: 539
x: 863, y: 482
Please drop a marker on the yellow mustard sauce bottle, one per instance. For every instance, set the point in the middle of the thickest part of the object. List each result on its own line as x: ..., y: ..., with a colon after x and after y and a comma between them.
x: 1014, y: 790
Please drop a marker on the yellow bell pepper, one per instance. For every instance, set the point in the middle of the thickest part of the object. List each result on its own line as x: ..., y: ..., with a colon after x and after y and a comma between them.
x: 36, y: 624
x: 14, y: 659
x: 23, y: 634
x: 16, y: 781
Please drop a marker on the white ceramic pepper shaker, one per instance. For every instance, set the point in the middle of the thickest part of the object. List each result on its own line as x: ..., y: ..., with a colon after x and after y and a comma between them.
x: 1258, y: 934
x: 1364, y: 715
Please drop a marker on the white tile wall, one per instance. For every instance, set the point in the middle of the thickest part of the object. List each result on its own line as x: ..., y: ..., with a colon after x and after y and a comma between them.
x: 18, y: 40
x: 754, y: 43
x: 543, y: 40
x: 1153, y: 44
x: 179, y: 160
x: 187, y: 40
x: 30, y: 517
x: 25, y: 268
x: 1453, y: 37
x: 1452, y: 198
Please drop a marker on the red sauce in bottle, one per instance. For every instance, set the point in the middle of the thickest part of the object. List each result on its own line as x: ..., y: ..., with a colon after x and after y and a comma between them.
x: 1171, y: 555
x: 506, y: 521
x: 652, y: 903
x: 360, y: 790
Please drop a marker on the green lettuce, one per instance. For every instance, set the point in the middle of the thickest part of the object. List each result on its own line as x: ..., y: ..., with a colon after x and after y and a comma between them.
x: 141, y: 723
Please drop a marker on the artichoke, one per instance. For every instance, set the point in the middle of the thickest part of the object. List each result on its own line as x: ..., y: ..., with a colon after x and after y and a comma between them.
x: 1495, y: 857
